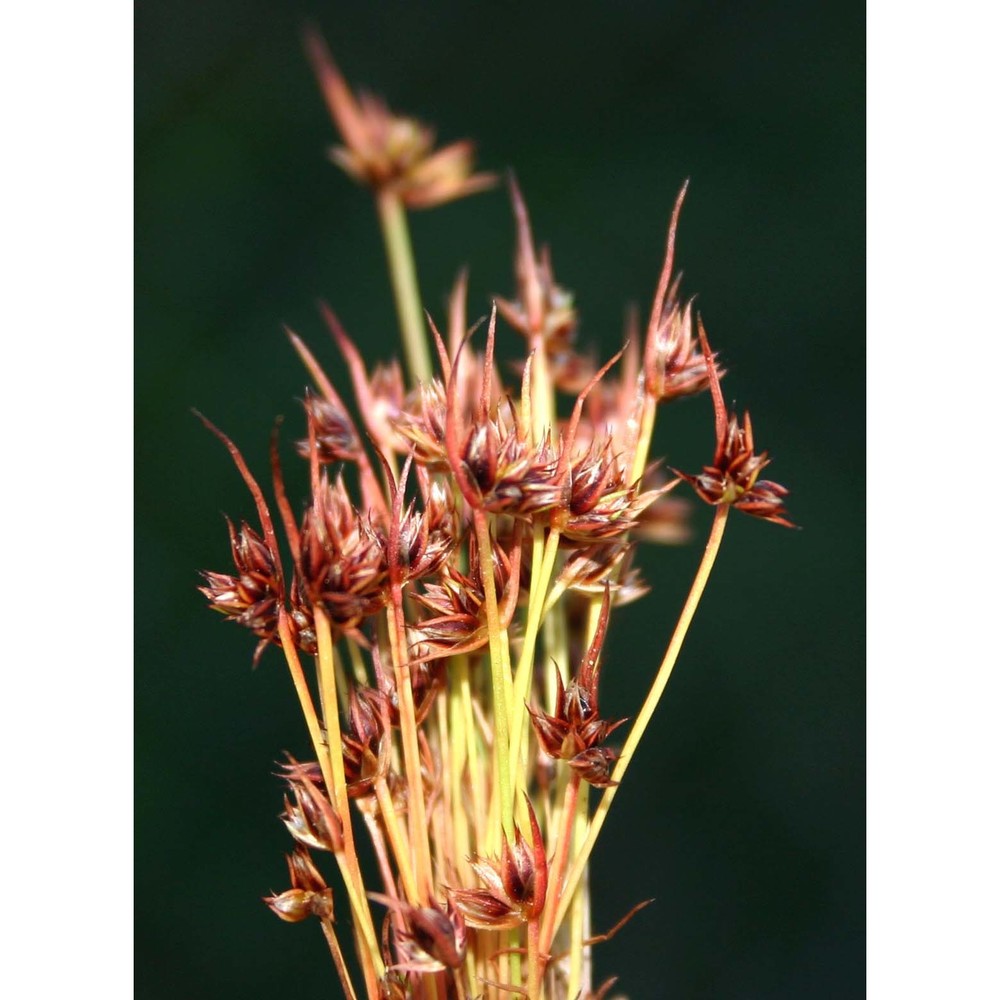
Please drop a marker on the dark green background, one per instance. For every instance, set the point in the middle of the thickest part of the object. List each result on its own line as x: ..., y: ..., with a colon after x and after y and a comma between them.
x: 744, y: 812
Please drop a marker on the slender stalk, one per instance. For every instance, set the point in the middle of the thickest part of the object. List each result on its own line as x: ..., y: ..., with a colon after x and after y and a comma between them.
x: 456, y: 766
x: 645, y: 438
x: 403, y: 271
x: 411, y: 750
x: 649, y: 705
x: 534, y: 961
x: 526, y: 663
x: 500, y: 676
x: 338, y: 958
x: 397, y: 839
x: 558, y: 892
x: 370, y: 955
x: 472, y: 749
x: 305, y: 699
x: 580, y: 905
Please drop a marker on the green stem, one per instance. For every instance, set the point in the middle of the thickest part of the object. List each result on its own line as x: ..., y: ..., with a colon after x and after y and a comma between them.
x: 403, y: 272
x: 649, y: 705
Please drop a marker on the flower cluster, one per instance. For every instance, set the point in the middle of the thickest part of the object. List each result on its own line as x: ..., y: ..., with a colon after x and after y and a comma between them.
x: 446, y: 597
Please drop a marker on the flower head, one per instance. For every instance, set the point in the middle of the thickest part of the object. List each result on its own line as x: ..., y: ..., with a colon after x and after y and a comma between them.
x: 387, y: 151
x: 732, y: 478
x: 515, y: 882
x: 309, y: 896
x: 577, y: 728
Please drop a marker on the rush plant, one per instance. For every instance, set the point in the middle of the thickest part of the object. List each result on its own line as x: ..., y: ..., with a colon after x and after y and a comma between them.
x: 444, y: 593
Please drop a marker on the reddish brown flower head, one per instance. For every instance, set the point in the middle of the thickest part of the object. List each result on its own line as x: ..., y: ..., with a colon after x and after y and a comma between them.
x: 308, y: 815
x: 388, y: 152
x: 595, y: 766
x: 428, y: 938
x: 251, y: 596
x: 507, y: 474
x: 309, y: 896
x: 365, y: 748
x: 515, y: 882
x: 336, y: 436
x: 543, y: 312
x: 490, y: 454
x: 343, y: 563
x: 577, y: 726
x: 457, y: 602
x: 673, y: 365
x: 588, y: 569
x: 427, y: 538
x: 603, y: 503
x: 420, y: 424
x: 733, y: 476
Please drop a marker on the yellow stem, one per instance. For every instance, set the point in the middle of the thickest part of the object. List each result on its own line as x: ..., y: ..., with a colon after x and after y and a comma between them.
x: 526, y: 663
x: 534, y: 962
x: 305, y: 700
x: 417, y: 810
x: 645, y: 438
x: 557, y: 895
x: 397, y: 840
x: 652, y: 700
x: 580, y: 903
x: 472, y: 751
x: 371, y: 956
x: 500, y: 675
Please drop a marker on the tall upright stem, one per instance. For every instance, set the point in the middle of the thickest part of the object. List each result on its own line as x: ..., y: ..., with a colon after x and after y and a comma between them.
x: 403, y: 272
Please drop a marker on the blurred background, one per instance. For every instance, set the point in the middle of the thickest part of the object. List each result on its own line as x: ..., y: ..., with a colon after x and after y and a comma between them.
x: 743, y: 814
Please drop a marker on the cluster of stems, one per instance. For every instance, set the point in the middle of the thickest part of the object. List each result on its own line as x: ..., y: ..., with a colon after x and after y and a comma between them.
x: 443, y: 599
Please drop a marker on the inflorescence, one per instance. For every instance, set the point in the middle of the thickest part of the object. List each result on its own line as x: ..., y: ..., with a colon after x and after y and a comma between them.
x: 450, y: 584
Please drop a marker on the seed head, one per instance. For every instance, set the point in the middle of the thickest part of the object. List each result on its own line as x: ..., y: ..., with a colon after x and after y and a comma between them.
x: 309, y: 896
x: 343, y: 560
x: 428, y: 938
x: 732, y: 478
x: 251, y: 596
x: 388, y: 152
x: 577, y: 726
x: 309, y: 817
x: 543, y: 312
x: 516, y: 883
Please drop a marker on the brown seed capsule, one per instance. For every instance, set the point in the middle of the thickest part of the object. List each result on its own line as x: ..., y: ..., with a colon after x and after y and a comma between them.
x: 309, y: 896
